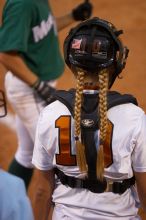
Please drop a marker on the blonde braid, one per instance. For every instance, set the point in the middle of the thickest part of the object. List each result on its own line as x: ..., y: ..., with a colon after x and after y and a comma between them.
x: 80, y: 149
x: 103, y: 84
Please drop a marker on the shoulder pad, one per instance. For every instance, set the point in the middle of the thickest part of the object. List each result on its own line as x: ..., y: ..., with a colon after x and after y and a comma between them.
x: 115, y: 98
x: 66, y: 97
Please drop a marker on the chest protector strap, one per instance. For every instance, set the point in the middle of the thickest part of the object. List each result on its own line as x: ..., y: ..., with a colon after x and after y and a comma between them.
x: 89, y: 128
x: 95, y: 186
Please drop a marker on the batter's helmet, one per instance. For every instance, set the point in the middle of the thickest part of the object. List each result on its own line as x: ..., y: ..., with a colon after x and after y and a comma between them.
x: 94, y: 45
x: 3, y: 107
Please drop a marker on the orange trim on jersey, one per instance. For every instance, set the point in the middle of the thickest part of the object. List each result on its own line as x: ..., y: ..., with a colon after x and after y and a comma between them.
x: 64, y: 157
x: 108, y: 156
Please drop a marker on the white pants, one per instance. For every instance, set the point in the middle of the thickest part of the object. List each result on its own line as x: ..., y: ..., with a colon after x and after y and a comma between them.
x: 66, y: 212
x: 27, y: 106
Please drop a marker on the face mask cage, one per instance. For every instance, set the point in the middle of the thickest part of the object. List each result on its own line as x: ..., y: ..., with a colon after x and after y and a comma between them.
x: 95, y: 28
x: 92, y: 54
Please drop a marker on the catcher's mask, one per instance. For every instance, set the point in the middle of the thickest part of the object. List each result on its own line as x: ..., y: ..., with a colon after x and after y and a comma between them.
x: 3, y: 108
x: 94, y: 45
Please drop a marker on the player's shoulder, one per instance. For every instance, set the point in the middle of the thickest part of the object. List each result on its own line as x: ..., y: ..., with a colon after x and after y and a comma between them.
x: 62, y: 100
x: 131, y: 108
x: 51, y: 112
x: 56, y: 107
x: 122, y: 102
x: 128, y: 112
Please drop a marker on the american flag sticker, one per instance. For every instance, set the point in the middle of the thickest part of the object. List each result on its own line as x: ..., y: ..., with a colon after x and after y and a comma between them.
x: 76, y: 44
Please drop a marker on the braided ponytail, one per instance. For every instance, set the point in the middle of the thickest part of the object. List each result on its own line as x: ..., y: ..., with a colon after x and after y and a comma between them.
x: 80, y: 149
x: 103, y: 87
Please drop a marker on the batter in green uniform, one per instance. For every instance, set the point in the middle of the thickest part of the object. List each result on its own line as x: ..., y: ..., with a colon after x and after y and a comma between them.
x: 29, y: 50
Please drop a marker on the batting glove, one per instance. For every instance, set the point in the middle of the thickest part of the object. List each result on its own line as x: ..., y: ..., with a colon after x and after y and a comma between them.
x: 82, y: 11
x: 44, y: 90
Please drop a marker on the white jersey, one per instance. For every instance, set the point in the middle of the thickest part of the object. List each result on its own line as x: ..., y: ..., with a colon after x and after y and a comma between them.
x: 55, y: 138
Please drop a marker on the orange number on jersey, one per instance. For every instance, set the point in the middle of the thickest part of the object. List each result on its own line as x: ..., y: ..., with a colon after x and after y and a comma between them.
x: 108, y: 155
x: 64, y: 157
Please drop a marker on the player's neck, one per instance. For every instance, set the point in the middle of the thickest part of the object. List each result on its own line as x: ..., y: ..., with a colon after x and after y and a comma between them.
x: 91, y: 86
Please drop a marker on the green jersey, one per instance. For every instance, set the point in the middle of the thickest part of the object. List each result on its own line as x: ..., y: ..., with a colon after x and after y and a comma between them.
x: 29, y: 28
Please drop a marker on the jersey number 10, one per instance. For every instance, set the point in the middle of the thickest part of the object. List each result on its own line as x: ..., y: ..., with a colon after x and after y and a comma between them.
x: 65, y: 156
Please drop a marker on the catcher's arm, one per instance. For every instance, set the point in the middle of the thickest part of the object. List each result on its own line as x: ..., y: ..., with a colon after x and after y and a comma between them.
x: 42, y: 201
x: 79, y: 13
x: 141, y: 188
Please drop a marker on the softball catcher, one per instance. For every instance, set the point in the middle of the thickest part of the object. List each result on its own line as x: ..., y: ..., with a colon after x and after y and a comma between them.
x: 93, y: 138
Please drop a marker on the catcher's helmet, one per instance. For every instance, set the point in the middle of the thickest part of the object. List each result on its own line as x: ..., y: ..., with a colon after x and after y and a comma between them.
x: 94, y: 45
x: 3, y: 108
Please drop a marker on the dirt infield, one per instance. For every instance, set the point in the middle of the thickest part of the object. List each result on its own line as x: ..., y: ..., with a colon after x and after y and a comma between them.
x: 129, y: 15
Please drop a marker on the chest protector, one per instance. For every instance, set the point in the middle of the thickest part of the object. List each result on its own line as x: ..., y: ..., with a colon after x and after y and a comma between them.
x: 90, y: 125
